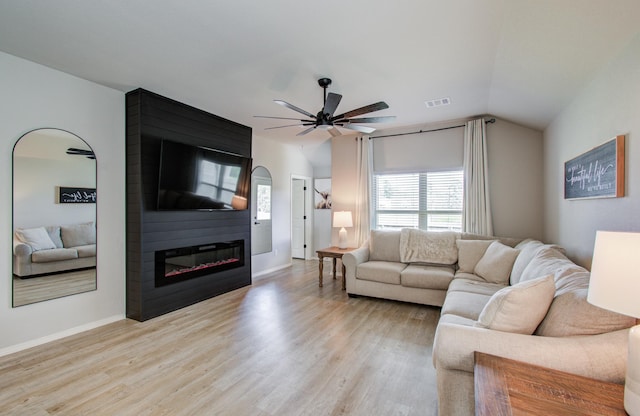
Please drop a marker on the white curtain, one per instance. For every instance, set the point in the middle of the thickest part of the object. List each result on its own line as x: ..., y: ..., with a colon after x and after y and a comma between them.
x: 362, y: 216
x: 477, y: 208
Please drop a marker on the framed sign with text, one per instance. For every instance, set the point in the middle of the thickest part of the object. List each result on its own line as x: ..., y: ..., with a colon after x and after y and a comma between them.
x: 67, y: 195
x: 597, y: 173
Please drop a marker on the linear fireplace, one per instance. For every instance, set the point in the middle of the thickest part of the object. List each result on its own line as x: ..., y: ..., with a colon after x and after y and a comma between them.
x: 179, y: 264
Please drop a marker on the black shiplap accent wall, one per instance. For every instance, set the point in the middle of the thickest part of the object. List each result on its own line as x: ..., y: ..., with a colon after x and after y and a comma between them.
x: 150, y: 118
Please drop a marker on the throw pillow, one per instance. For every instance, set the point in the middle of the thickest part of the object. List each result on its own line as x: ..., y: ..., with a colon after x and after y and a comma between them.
x: 37, y: 238
x: 470, y: 252
x: 518, y: 309
x: 496, y: 263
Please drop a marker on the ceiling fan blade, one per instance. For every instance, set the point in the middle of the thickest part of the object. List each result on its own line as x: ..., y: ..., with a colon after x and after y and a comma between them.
x: 381, y: 105
x: 361, y: 129
x: 303, y: 132
x: 288, y: 125
x: 332, y: 103
x: 294, y: 108
x: 286, y: 118
x: 382, y: 119
x: 334, y: 132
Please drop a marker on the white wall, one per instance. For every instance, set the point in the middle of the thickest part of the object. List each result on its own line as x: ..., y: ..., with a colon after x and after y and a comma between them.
x: 34, y: 96
x: 282, y: 161
x: 515, y: 160
x: 35, y: 185
x: 609, y: 106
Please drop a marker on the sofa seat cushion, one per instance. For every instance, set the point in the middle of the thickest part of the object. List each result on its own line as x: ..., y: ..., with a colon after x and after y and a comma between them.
x: 86, y: 251
x: 474, y: 286
x: 520, y: 308
x: 468, y: 276
x: 380, y: 271
x: 456, y: 319
x: 465, y: 304
x: 55, y: 254
x: 427, y: 277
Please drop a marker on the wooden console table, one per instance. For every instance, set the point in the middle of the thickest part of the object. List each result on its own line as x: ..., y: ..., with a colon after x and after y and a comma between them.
x: 335, y: 253
x: 508, y: 387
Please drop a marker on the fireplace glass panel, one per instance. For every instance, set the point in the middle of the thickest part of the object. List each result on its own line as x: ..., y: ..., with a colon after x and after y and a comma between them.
x: 175, y: 265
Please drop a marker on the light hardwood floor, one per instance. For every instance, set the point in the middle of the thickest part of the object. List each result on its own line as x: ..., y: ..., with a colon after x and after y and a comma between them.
x: 37, y: 289
x: 282, y: 346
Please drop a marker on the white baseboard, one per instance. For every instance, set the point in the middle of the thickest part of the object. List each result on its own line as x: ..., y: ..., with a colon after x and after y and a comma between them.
x: 274, y: 269
x: 59, y: 335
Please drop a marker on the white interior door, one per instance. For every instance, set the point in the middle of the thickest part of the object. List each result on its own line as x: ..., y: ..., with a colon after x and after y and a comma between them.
x: 298, y: 218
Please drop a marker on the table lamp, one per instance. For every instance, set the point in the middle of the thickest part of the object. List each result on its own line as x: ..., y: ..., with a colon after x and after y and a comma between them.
x: 342, y: 219
x: 615, y: 285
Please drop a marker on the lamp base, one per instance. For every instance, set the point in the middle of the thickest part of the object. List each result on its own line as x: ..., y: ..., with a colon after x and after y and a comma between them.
x: 342, y: 238
x: 632, y: 383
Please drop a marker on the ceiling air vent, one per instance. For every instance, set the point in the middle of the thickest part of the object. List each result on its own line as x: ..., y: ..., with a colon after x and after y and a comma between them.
x: 438, y: 102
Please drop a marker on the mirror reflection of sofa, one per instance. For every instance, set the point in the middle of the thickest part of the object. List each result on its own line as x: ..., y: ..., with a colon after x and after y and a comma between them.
x: 51, y: 249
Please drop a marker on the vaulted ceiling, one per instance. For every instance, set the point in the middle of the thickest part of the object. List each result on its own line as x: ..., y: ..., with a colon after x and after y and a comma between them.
x: 522, y: 60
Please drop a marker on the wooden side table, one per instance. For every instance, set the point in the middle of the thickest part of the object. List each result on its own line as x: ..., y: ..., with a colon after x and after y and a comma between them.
x: 335, y: 253
x: 508, y: 387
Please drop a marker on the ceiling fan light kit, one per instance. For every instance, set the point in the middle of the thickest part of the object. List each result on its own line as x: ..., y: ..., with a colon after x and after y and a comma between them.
x: 325, y: 120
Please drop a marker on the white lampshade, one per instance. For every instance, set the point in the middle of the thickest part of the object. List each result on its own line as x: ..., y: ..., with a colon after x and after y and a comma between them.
x: 342, y: 219
x: 239, y: 202
x: 615, y: 285
x: 615, y: 272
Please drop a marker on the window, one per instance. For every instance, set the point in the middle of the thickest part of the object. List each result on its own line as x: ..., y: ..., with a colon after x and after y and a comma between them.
x: 217, y: 181
x: 429, y: 200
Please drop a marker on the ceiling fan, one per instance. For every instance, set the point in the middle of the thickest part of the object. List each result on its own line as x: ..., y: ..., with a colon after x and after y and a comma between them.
x: 81, y: 152
x: 327, y: 121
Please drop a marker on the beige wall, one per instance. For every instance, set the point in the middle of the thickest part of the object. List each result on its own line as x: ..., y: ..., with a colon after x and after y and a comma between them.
x: 515, y: 180
x: 515, y: 161
x: 609, y: 106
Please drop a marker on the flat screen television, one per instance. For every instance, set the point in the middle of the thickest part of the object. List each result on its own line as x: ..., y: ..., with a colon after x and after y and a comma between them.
x: 198, y: 178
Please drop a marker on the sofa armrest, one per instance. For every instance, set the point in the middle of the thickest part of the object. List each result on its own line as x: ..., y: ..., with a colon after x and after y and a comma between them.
x: 351, y: 260
x: 21, y: 249
x: 602, y: 356
x: 357, y: 256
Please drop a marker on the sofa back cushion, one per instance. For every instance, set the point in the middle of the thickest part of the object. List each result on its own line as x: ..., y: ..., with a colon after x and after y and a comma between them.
x: 570, y: 314
x: 384, y: 245
x: 528, y: 249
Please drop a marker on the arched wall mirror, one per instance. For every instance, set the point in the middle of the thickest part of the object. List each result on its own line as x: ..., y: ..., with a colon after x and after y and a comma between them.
x: 54, y: 216
x: 261, y: 210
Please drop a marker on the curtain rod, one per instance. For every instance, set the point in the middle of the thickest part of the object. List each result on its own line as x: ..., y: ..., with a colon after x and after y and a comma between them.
x: 491, y: 120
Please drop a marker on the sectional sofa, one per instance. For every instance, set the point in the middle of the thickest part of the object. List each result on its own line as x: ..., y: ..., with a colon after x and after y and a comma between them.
x: 519, y: 299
